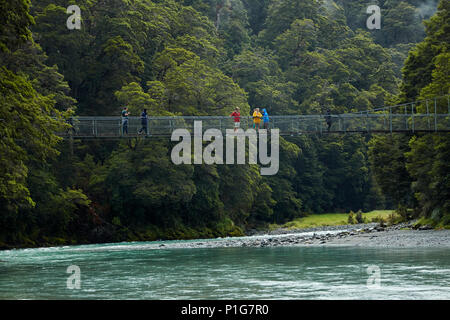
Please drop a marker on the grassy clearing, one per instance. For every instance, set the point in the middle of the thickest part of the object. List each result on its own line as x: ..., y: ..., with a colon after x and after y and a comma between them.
x: 329, y: 219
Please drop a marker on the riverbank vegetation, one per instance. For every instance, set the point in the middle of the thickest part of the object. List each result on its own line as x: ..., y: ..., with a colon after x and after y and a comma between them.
x: 336, y: 219
x: 192, y: 57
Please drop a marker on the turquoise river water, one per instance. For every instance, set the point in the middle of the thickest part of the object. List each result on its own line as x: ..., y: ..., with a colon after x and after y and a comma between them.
x: 137, y: 271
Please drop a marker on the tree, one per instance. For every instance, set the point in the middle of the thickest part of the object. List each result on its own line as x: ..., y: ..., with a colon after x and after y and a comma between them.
x: 232, y: 23
x: 142, y: 186
x: 194, y: 88
x: 27, y: 131
x: 401, y: 24
x: 31, y: 95
x: 259, y: 75
x: 419, y: 65
x: 429, y: 168
x: 295, y: 42
x: 134, y: 97
x: 388, y: 160
x: 426, y: 159
x: 282, y: 13
x: 257, y: 13
x: 16, y: 19
x: 27, y: 126
x: 288, y: 205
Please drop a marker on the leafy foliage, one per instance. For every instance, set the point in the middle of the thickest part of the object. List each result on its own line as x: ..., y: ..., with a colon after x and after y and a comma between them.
x: 192, y: 57
x: 418, y: 163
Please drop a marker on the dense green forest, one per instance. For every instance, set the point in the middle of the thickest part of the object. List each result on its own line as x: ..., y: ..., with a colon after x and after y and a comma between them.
x: 206, y: 57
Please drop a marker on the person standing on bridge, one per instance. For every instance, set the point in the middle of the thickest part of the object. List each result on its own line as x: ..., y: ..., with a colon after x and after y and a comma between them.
x: 237, y: 118
x: 257, y: 118
x: 328, y: 119
x: 144, y: 122
x: 265, y: 119
x: 125, y: 115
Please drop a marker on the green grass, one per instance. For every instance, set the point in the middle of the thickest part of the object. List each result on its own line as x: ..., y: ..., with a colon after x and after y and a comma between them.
x: 440, y: 224
x: 328, y: 219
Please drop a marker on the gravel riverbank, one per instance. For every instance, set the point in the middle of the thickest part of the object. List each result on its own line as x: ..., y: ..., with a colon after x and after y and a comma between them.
x: 361, y: 235
x: 366, y: 235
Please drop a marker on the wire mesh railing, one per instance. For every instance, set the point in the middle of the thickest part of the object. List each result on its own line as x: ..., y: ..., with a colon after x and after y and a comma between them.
x: 432, y: 115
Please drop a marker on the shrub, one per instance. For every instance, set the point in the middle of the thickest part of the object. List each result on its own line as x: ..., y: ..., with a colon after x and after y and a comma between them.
x: 446, y: 220
x: 436, y: 215
x: 379, y: 220
x: 402, y: 211
x: 351, y: 218
x: 359, y: 217
x: 393, y: 219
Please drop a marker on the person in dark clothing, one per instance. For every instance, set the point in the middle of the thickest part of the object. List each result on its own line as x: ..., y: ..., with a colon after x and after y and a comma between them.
x: 125, y: 115
x: 329, y: 119
x: 144, y: 122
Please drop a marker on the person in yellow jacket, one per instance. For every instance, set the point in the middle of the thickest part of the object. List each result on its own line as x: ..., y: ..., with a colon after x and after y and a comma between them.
x: 257, y: 116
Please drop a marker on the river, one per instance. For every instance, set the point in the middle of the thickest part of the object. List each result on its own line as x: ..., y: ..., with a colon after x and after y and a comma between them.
x: 149, y: 271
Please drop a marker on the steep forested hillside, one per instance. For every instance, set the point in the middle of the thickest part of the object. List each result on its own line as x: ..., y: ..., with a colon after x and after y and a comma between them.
x: 206, y: 57
x: 422, y: 164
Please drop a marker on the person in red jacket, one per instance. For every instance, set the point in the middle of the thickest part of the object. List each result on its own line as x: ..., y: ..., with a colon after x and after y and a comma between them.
x: 237, y: 118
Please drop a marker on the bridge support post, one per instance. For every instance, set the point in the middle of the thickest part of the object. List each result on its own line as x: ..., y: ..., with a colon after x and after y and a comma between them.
x: 71, y: 141
x: 406, y: 118
x: 390, y: 119
x: 428, y: 116
x: 368, y: 122
x: 435, y: 115
x: 412, y: 117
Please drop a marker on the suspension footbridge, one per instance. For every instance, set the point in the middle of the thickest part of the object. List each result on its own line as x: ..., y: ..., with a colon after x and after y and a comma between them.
x: 432, y: 115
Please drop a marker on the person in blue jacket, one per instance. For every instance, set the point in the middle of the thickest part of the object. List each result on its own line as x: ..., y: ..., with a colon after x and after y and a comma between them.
x: 265, y: 119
